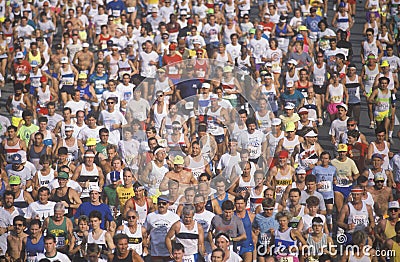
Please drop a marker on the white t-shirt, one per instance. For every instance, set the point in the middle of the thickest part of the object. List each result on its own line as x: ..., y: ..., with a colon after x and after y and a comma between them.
x: 58, y: 257
x: 40, y: 210
x: 148, y: 70
x: 252, y: 142
x: 109, y: 119
x: 87, y: 132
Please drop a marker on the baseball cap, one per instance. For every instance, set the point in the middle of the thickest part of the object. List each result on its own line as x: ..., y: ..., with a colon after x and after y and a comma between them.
x: 342, y: 148
x: 290, y: 83
x: 172, y: 47
x: 252, y: 31
x: 289, y: 105
x: 303, y: 111
x: 377, y: 155
x: 115, y: 176
x: 292, y: 61
x: 290, y: 127
x: 343, y: 105
x: 161, y: 70
x: 64, y: 60
x: 82, y: 76
x: 342, y: 4
x: 196, y: 41
x: 63, y: 175
x: 268, y: 64
x: 379, y: 177
x: 213, y: 97
x: 384, y: 63
x: 94, y: 188
x: 183, y: 12
x: 16, y: 159
x: 14, y: 180
x: 300, y: 170
x: 206, y: 85
x: 69, y: 128
x: 34, y: 63
x: 228, y: 69
x: 62, y: 151
x: 178, y: 160
x: 19, y: 55
x: 276, y: 122
x: 110, y: 42
x: 394, y: 205
x: 299, y: 37
x: 58, y: 46
x: 91, y: 141
x: 283, y: 154
x: 84, y: 45
x: 311, y: 134
x: 43, y: 79
x: 302, y: 28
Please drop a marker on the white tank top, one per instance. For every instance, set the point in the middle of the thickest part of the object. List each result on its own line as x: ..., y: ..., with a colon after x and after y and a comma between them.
x: 319, y: 75
x: 248, y: 185
x: 336, y: 93
x: 86, y: 173
x: 197, y: 168
x: 158, y: 117
x: 16, y: 107
x: 290, y: 145
x: 370, y: 48
x: 43, y: 96
x: 134, y: 239
x: 358, y: 217
x: 264, y: 122
x: 142, y: 212
x: 73, y: 150
x: 189, y: 238
x: 45, y: 180
x: 370, y: 77
x: 174, y: 206
x: 273, y: 142
x: 212, y: 118
x: 158, y: 173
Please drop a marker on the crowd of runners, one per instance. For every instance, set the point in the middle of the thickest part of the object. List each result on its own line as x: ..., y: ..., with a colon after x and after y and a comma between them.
x: 188, y: 131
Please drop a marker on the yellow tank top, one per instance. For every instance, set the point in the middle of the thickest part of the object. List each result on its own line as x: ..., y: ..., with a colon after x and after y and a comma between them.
x: 37, y: 58
x: 389, y: 230
x: 124, y: 194
x: 396, y: 249
x: 153, y: 2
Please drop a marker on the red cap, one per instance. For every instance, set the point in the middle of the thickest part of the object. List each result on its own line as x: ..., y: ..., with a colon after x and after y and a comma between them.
x: 283, y: 154
x: 190, y: 21
x: 43, y: 79
x: 172, y: 47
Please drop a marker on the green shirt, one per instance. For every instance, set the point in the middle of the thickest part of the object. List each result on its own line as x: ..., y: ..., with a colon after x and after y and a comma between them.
x: 25, y: 132
x: 111, y: 194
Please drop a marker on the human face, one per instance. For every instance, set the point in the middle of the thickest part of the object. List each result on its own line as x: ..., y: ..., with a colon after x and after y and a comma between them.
x: 162, y: 206
x: 178, y: 255
x: 89, y: 160
x: 357, y: 197
x: 380, y: 137
x: 283, y: 222
x: 269, y: 194
x: 44, y: 197
x: 95, y: 222
x: 83, y: 226
x: 92, y: 122
x: 251, y: 128
x: 122, y: 246
x: 222, y: 243
x: 189, y: 196
x: 8, y: 201
x: 246, y: 169
x: 240, y: 205
x: 128, y: 178
x: 49, y: 245
x: 311, y: 186
x: 227, y: 214
x: 393, y: 213
x: 94, y: 196
x: 317, y: 228
x: 35, y: 230
x: 188, y: 218
x: 199, y: 204
x: 62, y: 182
x: 294, y: 198
x: 376, y: 162
x: 173, y: 190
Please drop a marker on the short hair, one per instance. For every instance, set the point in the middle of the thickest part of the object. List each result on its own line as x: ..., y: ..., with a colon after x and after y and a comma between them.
x: 295, y: 189
x: 325, y: 153
x: 120, y: 236
x: 312, y: 201
x: 317, y: 220
x: 268, y: 202
x: 50, y: 236
x: 370, y: 30
x: 103, y: 130
x: 26, y: 113
x: 380, y: 130
x: 43, y: 189
x: 219, y: 250
x: 8, y: 193
x: 43, y: 119
x: 359, y: 237
x: 223, y: 235
x: 83, y: 218
x: 178, y: 247
x: 188, y: 209
x: 284, y: 213
x: 19, y: 218
x: 95, y: 214
x: 35, y: 222
x: 12, y: 128
x: 353, y: 133
x: 227, y: 205
x: 189, y: 189
x: 206, y: 175
x: 172, y: 182
x: 92, y: 248
x: 311, y: 178
x: 361, y: 179
x: 250, y: 121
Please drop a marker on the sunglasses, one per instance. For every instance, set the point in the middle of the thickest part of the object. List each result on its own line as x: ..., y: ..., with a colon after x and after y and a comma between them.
x: 162, y: 203
x: 351, y: 124
x: 131, y: 217
x: 19, y: 225
x: 110, y: 103
x: 369, y: 34
x: 160, y: 95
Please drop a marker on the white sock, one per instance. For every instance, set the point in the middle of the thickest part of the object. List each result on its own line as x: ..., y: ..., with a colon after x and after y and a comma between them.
x: 390, y: 133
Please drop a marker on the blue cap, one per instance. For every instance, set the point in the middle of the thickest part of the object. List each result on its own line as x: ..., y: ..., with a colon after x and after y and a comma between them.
x: 16, y: 159
x: 342, y: 4
x: 34, y: 63
x: 115, y: 176
x: 299, y: 37
x: 16, y: 5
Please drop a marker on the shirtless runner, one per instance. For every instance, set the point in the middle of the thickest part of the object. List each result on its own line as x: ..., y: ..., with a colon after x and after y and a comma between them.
x: 184, y: 177
x: 16, y: 240
x: 84, y: 60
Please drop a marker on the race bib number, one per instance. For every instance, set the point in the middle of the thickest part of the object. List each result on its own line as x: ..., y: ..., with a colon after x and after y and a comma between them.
x: 131, y: 9
x: 286, y: 259
x: 173, y: 70
x: 201, y: 73
x: 359, y: 219
x: 281, y: 42
x: 189, y: 258
x: 326, y: 186
x: 336, y: 99
x: 319, y: 80
x: 60, y: 242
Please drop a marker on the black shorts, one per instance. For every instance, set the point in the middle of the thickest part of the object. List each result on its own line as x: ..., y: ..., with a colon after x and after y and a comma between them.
x: 320, y: 90
x: 67, y: 89
x: 328, y: 201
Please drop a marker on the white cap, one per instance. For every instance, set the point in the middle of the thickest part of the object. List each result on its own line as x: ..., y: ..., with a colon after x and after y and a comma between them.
x: 196, y: 41
x: 268, y: 64
x: 290, y: 105
x: 85, y: 45
x: 394, y: 204
x: 276, y: 122
x: 289, y: 84
x: 183, y: 12
x: 302, y: 110
x: 23, y: 155
x: 213, y: 96
x: 64, y: 60
x: 206, y: 85
x: 154, y: 9
x: 344, y: 106
x: 19, y: 55
x: 311, y: 134
x: 69, y: 128
x: 94, y: 188
x: 292, y: 61
x: 300, y: 170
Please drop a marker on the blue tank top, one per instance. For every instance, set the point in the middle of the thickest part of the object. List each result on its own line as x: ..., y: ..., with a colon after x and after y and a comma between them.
x: 34, y: 249
x: 67, y: 78
x: 221, y: 201
x: 248, y: 228
x: 99, y: 82
x: 84, y: 91
x: 3, y: 189
x: 278, y: 31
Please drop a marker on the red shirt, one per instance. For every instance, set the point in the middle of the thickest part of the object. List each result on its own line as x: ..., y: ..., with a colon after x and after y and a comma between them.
x: 172, y: 69
x: 358, y: 152
x: 22, y: 71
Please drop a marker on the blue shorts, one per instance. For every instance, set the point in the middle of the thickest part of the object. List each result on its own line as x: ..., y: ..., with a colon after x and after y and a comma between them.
x: 344, y: 190
x: 219, y: 139
x: 246, y: 249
